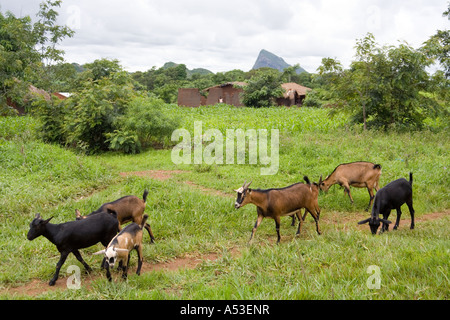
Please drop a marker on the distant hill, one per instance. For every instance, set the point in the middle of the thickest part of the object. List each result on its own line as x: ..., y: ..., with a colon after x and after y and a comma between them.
x: 268, y: 59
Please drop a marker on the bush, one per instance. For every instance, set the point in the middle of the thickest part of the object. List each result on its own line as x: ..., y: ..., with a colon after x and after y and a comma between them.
x: 145, y: 118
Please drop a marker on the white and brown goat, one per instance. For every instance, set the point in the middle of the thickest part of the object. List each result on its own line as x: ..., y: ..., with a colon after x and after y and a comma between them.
x: 359, y: 174
x: 120, y: 247
x: 275, y: 203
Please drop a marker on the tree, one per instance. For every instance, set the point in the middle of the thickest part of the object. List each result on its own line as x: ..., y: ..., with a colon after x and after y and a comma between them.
x: 262, y: 90
x: 27, y: 50
x: 382, y: 88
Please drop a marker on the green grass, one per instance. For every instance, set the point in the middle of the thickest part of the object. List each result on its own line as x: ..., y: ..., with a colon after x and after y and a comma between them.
x: 188, y: 222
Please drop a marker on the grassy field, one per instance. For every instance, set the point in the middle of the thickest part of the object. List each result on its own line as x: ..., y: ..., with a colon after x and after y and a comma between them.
x: 201, y: 249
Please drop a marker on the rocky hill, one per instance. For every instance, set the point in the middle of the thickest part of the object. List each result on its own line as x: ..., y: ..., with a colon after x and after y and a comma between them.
x: 268, y: 59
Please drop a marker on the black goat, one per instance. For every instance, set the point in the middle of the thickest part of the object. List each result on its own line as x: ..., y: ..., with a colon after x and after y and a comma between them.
x: 391, y: 196
x: 70, y: 236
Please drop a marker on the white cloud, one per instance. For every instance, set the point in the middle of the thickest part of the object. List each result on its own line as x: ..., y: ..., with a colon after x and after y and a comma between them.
x: 222, y: 36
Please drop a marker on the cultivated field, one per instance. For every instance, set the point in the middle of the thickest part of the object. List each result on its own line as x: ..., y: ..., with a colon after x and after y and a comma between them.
x: 201, y: 249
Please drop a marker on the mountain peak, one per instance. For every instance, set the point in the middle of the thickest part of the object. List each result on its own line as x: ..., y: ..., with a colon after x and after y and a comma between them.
x: 268, y: 59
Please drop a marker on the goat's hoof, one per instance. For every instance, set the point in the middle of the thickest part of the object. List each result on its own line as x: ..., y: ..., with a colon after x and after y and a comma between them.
x: 52, y: 282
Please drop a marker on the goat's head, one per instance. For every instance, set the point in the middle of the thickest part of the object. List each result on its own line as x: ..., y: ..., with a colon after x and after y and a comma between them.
x: 242, y: 193
x: 37, y: 227
x: 111, y: 254
x: 324, y: 185
x: 374, y: 223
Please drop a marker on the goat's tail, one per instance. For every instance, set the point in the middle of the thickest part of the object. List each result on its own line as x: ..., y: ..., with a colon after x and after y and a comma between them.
x: 144, y: 220
x: 144, y: 196
x: 307, y: 180
x: 410, y: 178
x: 377, y: 166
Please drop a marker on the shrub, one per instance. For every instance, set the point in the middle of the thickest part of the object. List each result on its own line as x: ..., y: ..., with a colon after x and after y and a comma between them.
x: 146, y: 118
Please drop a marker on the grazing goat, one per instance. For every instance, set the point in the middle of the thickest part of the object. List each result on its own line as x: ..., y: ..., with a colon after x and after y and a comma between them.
x: 356, y: 174
x: 274, y: 203
x: 70, y: 236
x: 120, y: 247
x: 128, y: 208
x: 391, y: 196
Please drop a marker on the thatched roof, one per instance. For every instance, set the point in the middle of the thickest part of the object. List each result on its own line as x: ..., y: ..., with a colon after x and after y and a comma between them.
x: 292, y: 87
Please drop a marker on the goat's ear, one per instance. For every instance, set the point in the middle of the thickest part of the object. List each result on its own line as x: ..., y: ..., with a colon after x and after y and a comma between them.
x: 320, y: 180
x: 48, y: 220
x: 100, y: 252
x: 364, y: 221
x: 385, y: 221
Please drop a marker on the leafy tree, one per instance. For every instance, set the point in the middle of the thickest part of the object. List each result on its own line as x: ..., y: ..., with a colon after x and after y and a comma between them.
x: 262, y: 90
x: 383, y: 86
x: 26, y: 51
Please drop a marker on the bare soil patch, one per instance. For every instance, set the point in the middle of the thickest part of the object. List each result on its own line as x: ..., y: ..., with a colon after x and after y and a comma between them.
x: 36, y: 287
x: 160, y: 175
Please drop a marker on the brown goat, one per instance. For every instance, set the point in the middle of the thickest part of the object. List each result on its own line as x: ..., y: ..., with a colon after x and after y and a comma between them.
x: 275, y: 203
x: 128, y: 208
x: 356, y: 174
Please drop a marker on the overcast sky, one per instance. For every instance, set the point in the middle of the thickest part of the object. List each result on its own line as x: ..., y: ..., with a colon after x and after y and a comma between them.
x: 226, y: 35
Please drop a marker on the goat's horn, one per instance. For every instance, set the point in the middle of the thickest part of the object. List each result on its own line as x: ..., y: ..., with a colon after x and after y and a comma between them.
x: 248, y: 184
x: 37, y: 216
x: 99, y: 252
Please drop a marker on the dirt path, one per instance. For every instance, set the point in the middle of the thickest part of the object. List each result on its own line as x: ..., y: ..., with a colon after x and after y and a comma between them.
x: 162, y: 175
x: 36, y: 287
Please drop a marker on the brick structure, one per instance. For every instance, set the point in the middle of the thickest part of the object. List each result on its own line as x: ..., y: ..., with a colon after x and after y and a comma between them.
x: 228, y: 93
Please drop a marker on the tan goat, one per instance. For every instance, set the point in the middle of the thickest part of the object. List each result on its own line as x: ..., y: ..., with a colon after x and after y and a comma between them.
x: 275, y: 203
x: 356, y: 174
x: 128, y: 208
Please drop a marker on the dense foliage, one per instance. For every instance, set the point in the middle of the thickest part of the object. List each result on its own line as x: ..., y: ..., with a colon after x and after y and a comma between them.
x: 386, y: 87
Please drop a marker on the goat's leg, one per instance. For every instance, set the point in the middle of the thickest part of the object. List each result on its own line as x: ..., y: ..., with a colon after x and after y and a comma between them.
x: 347, y: 191
x: 300, y: 220
x: 293, y: 219
x: 61, y: 261
x: 277, y: 227
x: 399, y: 214
x: 108, y: 273
x: 409, y: 203
x: 371, y: 197
x: 77, y: 254
x: 140, y: 258
x: 316, y: 219
x: 257, y: 223
x: 125, y: 268
x: 149, y: 229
